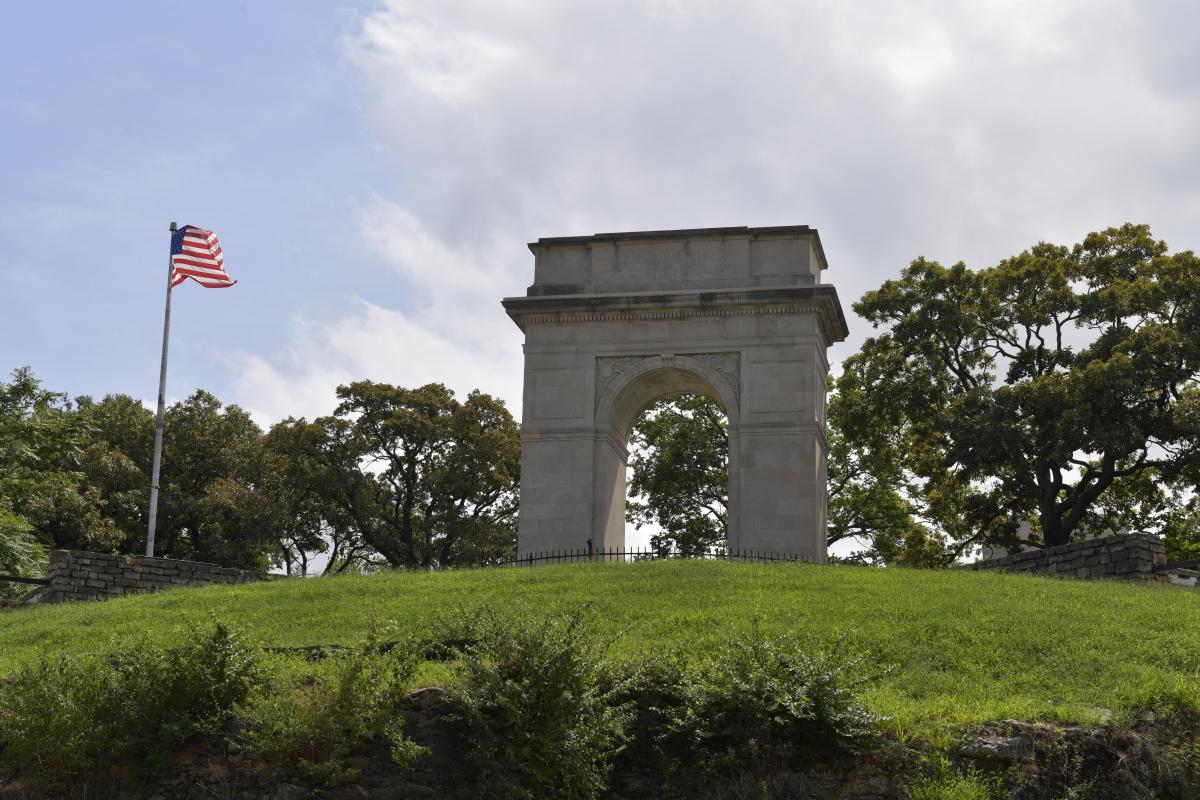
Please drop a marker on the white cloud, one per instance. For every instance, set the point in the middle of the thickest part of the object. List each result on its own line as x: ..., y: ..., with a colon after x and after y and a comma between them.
x: 450, y: 65
x: 639, y: 115
x: 378, y: 344
x: 434, y: 265
x: 956, y: 131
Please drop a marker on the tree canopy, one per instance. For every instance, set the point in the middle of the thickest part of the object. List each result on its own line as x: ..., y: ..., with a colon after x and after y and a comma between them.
x: 1058, y: 387
x: 401, y: 477
x: 413, y: 475
x: 679, y: 483
x: 42, y: 487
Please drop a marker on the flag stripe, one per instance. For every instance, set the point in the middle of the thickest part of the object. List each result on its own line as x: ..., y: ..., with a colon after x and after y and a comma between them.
x: 211, y: 273
x: 201, y: 269
x: 196, y: 254
x: 188, y: 258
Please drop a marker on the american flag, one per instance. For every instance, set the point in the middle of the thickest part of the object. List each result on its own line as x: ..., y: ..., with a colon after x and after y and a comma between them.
x: 196, y: 254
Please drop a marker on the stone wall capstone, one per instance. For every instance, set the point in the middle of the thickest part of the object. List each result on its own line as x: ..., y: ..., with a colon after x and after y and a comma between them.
x: 80, y: 575
x: 1130, y: 556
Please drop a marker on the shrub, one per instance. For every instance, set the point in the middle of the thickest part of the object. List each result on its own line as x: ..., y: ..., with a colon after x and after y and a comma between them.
x: 945, y: 783
x: 310, y: 720
x: 95, y: 718
x: 655, y: 690
x: 20, y: 552
x: 542, y: 717
x: 534, y: 716
x: 760, y: 701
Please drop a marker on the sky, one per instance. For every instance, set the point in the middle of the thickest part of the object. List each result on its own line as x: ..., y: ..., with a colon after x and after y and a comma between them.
x: 375, y: 169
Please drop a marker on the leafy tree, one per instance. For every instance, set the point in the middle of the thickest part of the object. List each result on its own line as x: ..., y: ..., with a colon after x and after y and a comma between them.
x: 42, y: 441
x: 234, y: 486
x: 20, y: 551
x: 212, y: 464
x: 417, y: 476
x: 317, y: 482
x: 1181, y: 529
x: 1058, y: 386
x: 116, y: 462
x: 872, y: 501
x: 679, y: 459
x: 397, y: 476
x: 472, y: 515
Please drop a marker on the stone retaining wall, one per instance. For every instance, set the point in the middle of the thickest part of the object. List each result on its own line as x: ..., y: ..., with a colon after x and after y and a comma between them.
x: 79, y: 575
x: 1132, y: 555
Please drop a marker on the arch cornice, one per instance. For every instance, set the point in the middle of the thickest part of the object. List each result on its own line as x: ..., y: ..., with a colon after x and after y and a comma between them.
x: 821, y: 300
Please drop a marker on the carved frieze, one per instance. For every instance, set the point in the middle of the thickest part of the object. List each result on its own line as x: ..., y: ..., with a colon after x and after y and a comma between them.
x: 727, y: 365
x: 609, y: 367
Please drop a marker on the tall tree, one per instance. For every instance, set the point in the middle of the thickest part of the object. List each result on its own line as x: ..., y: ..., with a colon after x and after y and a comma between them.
x: 211, y: 455
x: 324, y: 495
x: 42, y: 440
x: 1059, y: 386
x: 20, y: 551
x: 116, y: 462
x: 872, y: 501
x: 418, y: 476
x: 679, y: 465
x: 1181, y: 529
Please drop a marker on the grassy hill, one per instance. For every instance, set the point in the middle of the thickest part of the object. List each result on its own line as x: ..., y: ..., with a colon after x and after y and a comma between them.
x: 963, y: 647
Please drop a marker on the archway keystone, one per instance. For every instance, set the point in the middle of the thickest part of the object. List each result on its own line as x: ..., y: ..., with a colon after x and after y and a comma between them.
x: 614, y: 322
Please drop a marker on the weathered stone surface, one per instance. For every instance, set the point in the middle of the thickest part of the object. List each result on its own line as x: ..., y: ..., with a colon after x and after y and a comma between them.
x: 1131, y: 556
x: 998, y: 749
x: 614, y: 322
x: 77, y: 575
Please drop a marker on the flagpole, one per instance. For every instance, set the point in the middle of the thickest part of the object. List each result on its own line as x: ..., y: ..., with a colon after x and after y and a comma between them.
x: 158, y: 423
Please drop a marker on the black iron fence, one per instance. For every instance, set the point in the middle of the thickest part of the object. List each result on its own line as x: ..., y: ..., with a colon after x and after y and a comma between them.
x: 620, y: 555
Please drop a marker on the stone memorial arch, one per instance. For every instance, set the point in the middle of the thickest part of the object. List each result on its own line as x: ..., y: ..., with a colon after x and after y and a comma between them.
x: 614, y: 322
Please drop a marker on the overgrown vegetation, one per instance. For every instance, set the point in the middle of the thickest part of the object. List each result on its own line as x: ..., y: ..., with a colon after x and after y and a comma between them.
x: 91, y: 722
x: 948, y: 784
x: 309, y: 720
x: 20, y: 552
x: 94, y: 719
x: 757, y: 705
x: 773, y: 700
x: 535, y: 718
x: 543, y: 714
x: 537, y: 710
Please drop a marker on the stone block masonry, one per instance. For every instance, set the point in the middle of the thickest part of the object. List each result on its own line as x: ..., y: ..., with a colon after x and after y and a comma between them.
x: 79, y: 575
x: 1137, y: 556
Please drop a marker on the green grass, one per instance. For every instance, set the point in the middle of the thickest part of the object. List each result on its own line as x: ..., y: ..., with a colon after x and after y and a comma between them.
x: 966, y: 647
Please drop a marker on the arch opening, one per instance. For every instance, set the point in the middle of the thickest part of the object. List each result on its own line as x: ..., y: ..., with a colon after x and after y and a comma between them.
x: 619, y: 409
x: 677, y: 489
